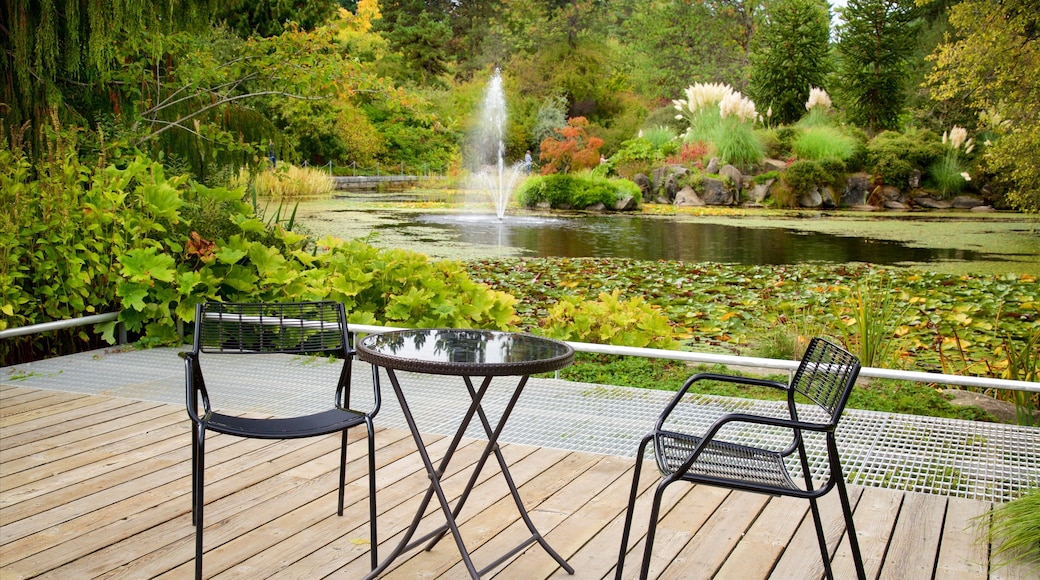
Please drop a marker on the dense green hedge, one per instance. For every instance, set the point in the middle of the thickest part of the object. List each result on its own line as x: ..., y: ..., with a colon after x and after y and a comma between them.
x: 576, y: 191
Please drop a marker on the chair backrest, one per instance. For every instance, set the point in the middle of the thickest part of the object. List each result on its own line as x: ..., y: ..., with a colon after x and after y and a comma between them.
x: 826, y: 376
x: 284, y: 327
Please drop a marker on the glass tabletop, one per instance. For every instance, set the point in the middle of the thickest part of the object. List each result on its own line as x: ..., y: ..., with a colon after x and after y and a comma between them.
x: 465, y: 352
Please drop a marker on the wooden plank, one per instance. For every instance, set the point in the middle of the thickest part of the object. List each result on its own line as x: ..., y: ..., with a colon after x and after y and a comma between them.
x: 170, y: 544
x: 802, y: 557
x: 766, y: 539
x: 67, y: 420
x: 489, y: 510
x: 572, y: 519
x: 49, y: 458
x: 499, y: 529
x: 21, y: 401
x: 57, y: 413
x: 719, y: 536
x: 915, y: 539
x: 963, y: 553
x: 597, y: 558
x: 687, y: 514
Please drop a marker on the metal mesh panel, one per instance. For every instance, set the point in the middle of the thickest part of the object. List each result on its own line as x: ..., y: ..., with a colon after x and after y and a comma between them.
x: 291, y: 328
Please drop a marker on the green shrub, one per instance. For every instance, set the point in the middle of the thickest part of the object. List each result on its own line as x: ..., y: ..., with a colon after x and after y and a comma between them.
x: 609, y: 320
x: 894, y: 156
x: 738, y: 144
x: 802, y: 176
x: 577, y: 191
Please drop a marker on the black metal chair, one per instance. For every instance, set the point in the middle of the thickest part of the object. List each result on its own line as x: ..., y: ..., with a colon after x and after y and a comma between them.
x: 294, y: 329
x: 734, y: 453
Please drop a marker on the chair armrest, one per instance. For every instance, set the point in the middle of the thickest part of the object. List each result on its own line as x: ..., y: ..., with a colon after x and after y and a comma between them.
x: 719, y: 423
x: 194, y: 387
x: 714, y: 377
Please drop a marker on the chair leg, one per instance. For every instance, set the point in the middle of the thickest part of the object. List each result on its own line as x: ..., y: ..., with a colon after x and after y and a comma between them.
x: 372, y: 494
x: 850, y: 528
x: 342, y: 473
x: 818, y: 523
x: 631, y: 506
x: 655, y: 512
x: 198, y: 483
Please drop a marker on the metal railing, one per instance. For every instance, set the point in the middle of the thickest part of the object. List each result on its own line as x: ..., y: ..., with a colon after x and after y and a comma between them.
x: 788, y: 366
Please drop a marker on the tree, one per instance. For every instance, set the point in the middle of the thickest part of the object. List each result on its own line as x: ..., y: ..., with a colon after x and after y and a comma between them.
x: 875, y: 42
x: 992, y: 68
x: 61, y: 51
x: 572, y: 151
x: 790, y: 55
x: 268, y: 17
x: 419, y: 33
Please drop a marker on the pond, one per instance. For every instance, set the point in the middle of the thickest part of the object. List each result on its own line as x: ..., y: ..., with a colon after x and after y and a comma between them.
x: 950, y: 243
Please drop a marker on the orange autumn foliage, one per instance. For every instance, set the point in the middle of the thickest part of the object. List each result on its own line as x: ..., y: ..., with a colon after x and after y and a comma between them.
x: 572, y: 148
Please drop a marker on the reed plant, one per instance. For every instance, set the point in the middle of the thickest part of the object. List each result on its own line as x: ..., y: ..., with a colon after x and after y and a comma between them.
x: 948, y: 173
x: 874, y: 313
x: 823, y: 142
x: 288, y: 181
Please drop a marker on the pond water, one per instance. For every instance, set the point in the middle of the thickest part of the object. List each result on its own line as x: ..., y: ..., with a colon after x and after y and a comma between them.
x: 951, y: 243
x: 663, y: 238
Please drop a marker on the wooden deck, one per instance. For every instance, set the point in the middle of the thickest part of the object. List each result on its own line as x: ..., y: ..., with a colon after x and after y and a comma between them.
x: 94, y: 486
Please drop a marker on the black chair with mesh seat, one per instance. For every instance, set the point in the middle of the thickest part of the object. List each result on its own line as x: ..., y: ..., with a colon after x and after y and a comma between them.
x: 279, y: 336
x: 761, y: 453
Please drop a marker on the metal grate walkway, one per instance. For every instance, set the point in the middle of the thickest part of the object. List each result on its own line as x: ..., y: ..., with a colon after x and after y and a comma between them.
x: 985, y: 461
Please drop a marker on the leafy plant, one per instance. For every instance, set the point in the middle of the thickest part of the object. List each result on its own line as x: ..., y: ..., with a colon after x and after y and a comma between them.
x: 572, y: 149
x: 577, y: 191
x: 875, y: 313
x: 893, y: 156
x: 609, y: 320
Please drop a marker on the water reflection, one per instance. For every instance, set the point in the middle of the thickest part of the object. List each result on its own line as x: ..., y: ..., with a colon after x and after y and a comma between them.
x: 663, y: 238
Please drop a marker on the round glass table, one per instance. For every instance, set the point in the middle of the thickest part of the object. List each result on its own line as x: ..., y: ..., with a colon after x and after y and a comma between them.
x: 467, y: 354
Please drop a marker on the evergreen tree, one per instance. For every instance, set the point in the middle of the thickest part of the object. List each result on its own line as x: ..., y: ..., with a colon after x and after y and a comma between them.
x: 419, y: 32
x: 268, y: 17
x: 875, y: 43
x: 790, y: 55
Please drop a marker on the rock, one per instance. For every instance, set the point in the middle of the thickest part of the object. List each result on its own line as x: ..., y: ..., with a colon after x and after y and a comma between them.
x: 915, y: 179
x: 713, y: 166
x: 627, y: 203
x: 863, y: 207
x: 1002, y: 411
x: 966, y: 202
x: 890, y: 193
x: 932, y: 203
x: 598, y: 206
x: 715, y: 192
x: 773, y: 165
x: 894, y: 204
x: 811, y: 199
x: 827, y: 196
x: 645, y: 185
x: 983, y: 209
x: 857, y: 188
x: 671, y: 187
x: 761, y: 191
x: 688, y: 197
x: 734, y: 175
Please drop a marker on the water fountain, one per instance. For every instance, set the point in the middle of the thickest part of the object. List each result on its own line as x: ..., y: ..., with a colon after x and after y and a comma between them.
x: 491, y: 175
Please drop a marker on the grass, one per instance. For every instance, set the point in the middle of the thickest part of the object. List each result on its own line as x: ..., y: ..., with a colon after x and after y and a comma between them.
x: 1015, y: 528
x: 668, y: 375
x: 823, y: 142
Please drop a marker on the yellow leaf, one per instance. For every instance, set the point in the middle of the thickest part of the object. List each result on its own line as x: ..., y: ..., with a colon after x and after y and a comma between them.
x: 360, y: 541
x: 8, y: 309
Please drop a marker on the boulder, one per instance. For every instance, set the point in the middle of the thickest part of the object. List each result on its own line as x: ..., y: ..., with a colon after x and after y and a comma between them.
x: 713, y: 166
x: 932, y: 203
x: 760, y: 191
x: 671, y: 187
x: 811, y: 199
x: 716, y: 193
x: 773, y: 165
x: 894, y: 204
x: 627, y: 203
x: 734, y: 175
x: 827, y: 195
x: 598, y: 206
x: 644, y: 184
x: 915, y: 179
x: 688, y: 197
x: 662, y: 191
x: 857, y: 189
x: 966, y: 202
x: 983, y: 209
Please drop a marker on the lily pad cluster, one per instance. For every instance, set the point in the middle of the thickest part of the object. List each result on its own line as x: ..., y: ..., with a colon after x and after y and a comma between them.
x: 956, y: 324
